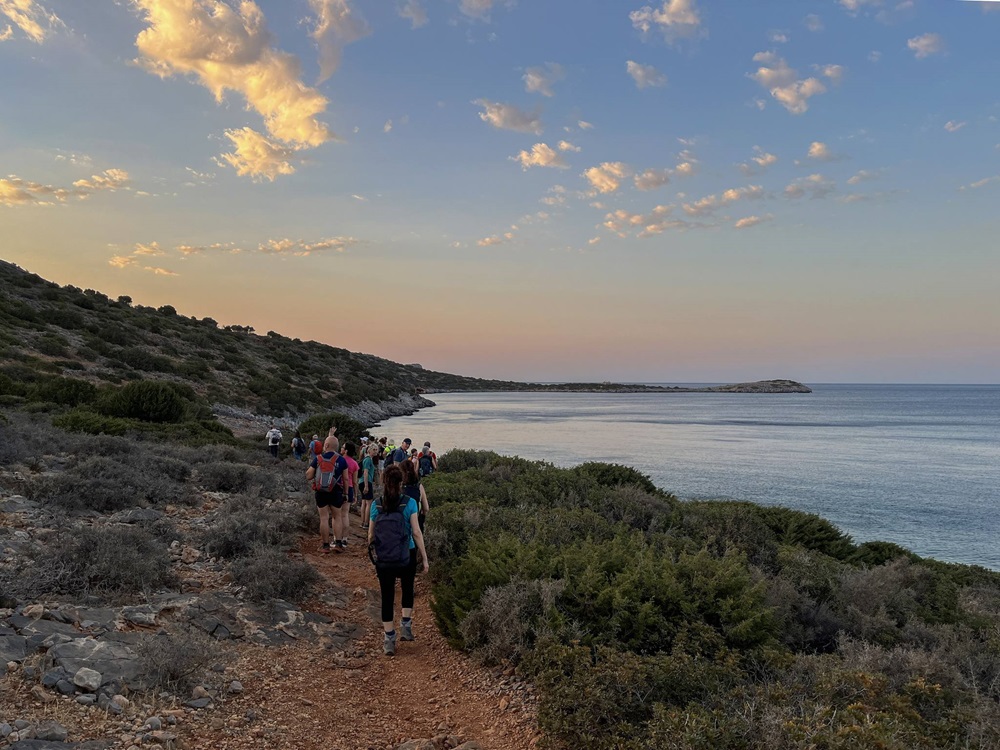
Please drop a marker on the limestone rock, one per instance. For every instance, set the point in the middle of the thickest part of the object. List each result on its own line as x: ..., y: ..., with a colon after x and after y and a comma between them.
x: 87, y: 679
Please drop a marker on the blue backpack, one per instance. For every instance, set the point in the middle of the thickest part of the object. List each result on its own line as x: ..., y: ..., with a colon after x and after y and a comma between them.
x: 390, y: 547
x: 426, y: 466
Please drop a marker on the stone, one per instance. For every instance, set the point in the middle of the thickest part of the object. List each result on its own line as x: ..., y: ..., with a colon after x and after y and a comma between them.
x: 198, y: 703
x: 200, y: 692
x: 469, y: 746
x: 144, y: 615
x: 417, y: 745
x: 114, y: 707
x: 88, y: 679
x: 51, y: 678
x: 153, y: 724
x: 66, y: 687
x: 235, y: 687
x: 121, y: 700
x: 39, y: 693
x: 137, y: 515
x: 34, y: 611
x: 163, y: 738
x: 21, y: 724
x: 12, y: 648
x: 115, y: 661
x: 87, y: 699
x: 52, y: 731
x: 5, y: 730
x: 190, y: 555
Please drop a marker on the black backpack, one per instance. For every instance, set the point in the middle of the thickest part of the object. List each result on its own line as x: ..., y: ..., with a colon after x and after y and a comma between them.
x: 390, y: 546
x: 426, y: 466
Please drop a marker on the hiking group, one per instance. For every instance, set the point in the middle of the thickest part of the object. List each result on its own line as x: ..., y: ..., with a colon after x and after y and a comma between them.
x: 394, y: 521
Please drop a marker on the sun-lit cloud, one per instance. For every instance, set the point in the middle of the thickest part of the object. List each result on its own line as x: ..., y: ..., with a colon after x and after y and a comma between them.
x: 819, y: 151
x: 567, y: 146
x: 31, y: 18
x: 657, y: 221
x: 759, y: 162
x: 675, y: 19
x: 651, y: 179
x: 229, y: 49
x: 215, y: 247
x: 813, y: 22
x: 151, y: 249
x: 752, y: 221
x: 496, y: 239
x: 980, y: 183
x: 541, y: 155
x: 953, y: 126
x: 15, y: 191
x: 864, y: 175
x: 122, y: 261
x: 645, y: 76
x: 480, y: 10
x: 555, y: 196
x: 509, y: 117
x: 198, y: 178
x: 258, y: 157
x: 710, y: 203
x: 926, y: 45
x: 160, y: 271
x: 834, y: 73
x: 584, y: 125
x: 414, y: 12
x: 337, y: 24
x: 784, y: 83
x: 608, y: 176
x: 303, y: 249
x: 541, y: 79
x: 815, y: 186
x: 778, y: 37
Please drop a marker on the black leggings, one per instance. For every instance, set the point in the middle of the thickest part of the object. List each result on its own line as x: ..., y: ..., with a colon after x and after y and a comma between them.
x: 387, y: 583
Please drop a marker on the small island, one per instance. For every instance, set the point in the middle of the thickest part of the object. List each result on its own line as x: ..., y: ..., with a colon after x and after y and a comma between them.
x: 759, y: 386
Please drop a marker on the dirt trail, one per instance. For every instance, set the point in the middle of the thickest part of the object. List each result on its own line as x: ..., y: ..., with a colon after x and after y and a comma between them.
x: 308, y: 697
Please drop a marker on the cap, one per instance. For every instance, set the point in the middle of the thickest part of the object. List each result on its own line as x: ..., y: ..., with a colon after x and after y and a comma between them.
x: 315, y: 437
x: 364, y: 439
x: 407, y: 441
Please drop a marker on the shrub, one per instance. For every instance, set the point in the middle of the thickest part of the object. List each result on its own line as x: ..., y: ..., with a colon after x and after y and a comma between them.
x: 225, y: 476
x: 106, y: 562
x: 614, y: 475
x: 110, y: 484
x: 268, y: 573
x: 146, y: 400
x: 242, y: 525
x: 66, y: 391
x: 347, y: 429
x: 178, y: 660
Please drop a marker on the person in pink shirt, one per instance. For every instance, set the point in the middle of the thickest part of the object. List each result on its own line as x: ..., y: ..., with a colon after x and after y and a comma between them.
x: 350, y: 452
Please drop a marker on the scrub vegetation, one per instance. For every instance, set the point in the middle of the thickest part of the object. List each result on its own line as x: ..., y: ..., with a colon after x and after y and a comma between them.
x: 649, y: 622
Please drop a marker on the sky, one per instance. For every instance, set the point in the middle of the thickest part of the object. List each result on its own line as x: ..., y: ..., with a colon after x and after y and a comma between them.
x: 684, y: 191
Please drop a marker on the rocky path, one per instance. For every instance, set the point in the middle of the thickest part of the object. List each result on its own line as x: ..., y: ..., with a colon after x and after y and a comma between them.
x: 428, y: 697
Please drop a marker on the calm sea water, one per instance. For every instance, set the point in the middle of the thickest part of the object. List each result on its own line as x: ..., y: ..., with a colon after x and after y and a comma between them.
x: 915, y: 465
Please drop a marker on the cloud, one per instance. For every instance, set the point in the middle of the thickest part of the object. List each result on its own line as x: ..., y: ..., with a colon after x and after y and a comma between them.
x: 676, y: 19
x: 257, y: 156
x: 337, y: 25
x: 624, y: 223
x: 17, y: 192
x: 539, y: 80
x: 980, y: 183
x: 479, y: 9
x: 584, y: 125
x: 228, y: 247
x: 815, y: 186
x: 819, y: 151
x: 813, y: 22
x: 229, y: 49
x: 541, y: 155
x: 556, y: 196
x: 953, y: 126
x: 415, y: 12
x: 567, y: 146
x: 784, y: 84
x: 153, y: 249
x: 710, y: 203
x: 303, y: 249
x: 835, y: 73
x: 864, y: 175
x: 509, y: 117
x: 607, y: 177
x: 122, y: 261
x: 752, y: 221
x: 497, y: 239
x: 874, y: 56
x: 759, y: 162
x: 651, y: 179
x: 645, y: 76
x: 926, y: 45
x: 33, y: 20
x: 778, y: 37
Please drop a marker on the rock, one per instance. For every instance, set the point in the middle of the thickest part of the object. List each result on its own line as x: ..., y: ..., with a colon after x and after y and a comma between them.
x: 87, y: 699
x: 469, y: 746
x: 34, y: 611
x: 137, y: 515
x: 52, y: 731
x: 145, y: 615
x: 504, y: 703
x: 115, y: 661
x: 51, y: 678
x: 88, y: 679
x: 163, y: 738
x: 235, y: 687
x: 5, y: 730
x: 65, y: 687
x: 190, y: 555
x: 13, y: 648
x: 21, y: 724
x: 121, y: 700
x: 417, y: 745
x: 153, y: 724
x: 198, y: 703
x: 39, y: 693
x: 200, y: 692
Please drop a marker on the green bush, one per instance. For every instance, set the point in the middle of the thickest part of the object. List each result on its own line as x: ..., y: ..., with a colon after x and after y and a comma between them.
x: 65, y: 391
x: 146, y: 400
x: 347, y: 429
x: 241, y: 526
x: 224, y: 476
x: 268, y: 573
x: 614, y: 475
x: 110, y: 484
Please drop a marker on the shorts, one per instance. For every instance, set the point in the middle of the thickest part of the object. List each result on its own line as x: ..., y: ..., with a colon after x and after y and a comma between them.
x: 368, y: 493
x: 333, y: 499
x: 350, y: 494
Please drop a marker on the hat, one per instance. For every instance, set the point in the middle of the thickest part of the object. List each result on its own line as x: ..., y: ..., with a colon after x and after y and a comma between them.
x: 315, y: 437
x: 407, y: 441
x: 364, y: 439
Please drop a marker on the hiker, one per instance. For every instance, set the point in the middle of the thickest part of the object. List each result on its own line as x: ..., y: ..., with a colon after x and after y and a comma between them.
x: 368, y: 472
x: 413, y: 488
x: 390, y: 454
x: 428, y: 462
x: 414, y: 459
x: 298, y: 446
x: 353, y: 493
x: 327, y: 473
x: 273, y: 438
x: 402, y: 453
x: 393, y: 532
x: 315, y: 447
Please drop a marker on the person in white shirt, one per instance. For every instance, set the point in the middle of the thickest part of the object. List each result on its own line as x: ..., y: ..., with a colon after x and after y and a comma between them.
x: 273, y: 438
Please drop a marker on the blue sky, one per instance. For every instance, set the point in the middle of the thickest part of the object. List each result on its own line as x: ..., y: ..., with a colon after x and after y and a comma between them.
x: 686, y: 190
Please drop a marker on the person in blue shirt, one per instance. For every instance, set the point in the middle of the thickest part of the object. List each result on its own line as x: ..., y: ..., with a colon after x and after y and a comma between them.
x: 329, y: 500
x: 393, y: 500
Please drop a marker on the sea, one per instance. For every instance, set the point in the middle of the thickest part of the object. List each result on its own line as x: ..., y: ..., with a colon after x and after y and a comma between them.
x: 918, y: 465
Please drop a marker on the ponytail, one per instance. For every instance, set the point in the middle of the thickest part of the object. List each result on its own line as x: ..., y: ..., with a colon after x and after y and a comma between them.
x: 392, y: 489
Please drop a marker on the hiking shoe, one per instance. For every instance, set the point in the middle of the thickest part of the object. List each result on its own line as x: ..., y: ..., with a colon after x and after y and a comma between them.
x: 389, y: 644
x: 406, y: 631
x: 338, y: 546
x: 326, y: 547
x: 343, y: 543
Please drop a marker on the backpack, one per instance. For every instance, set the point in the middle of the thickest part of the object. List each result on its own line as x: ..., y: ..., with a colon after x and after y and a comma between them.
x: 389, y: 461
x: 273, y: 439
x: 426, y: 466
x: 298, y: 444
x: 316, y: 447
x: 390, y: 547
x: 328, y: 474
